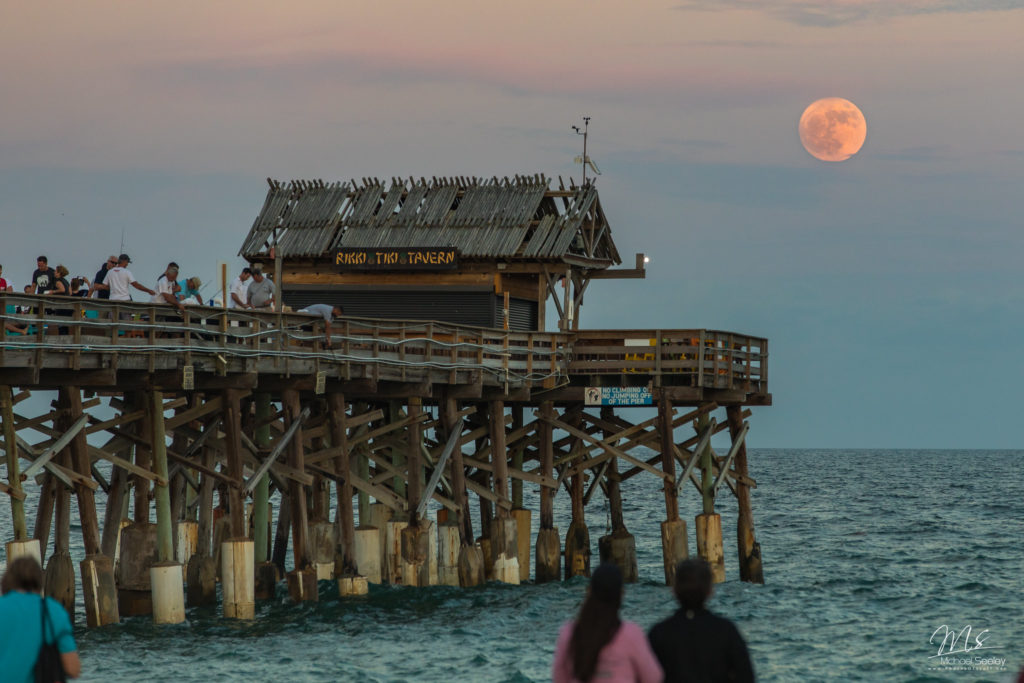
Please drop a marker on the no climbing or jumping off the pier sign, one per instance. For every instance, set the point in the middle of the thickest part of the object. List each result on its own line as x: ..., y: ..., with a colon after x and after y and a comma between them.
x: 618, y: 396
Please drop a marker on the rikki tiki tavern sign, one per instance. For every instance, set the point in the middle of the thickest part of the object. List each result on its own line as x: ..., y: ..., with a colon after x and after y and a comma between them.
x: 397, y: 258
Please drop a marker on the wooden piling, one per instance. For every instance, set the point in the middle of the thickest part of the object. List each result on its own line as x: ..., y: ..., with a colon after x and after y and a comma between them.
x: 143, y: 459
x: 673, y: 529
x: 503, y: 537
x: 549, y: 545
x: 232, y: 414
x: 302, y: 580
x: 265, y: 569
x: 448, y: 415
x: 166, y: 575
x: 747, y: 545
x: 345, y: 519
x: 59, y: 578
x: 44, y: 511
x: 202, y: 567
x: 17, y: 493
x: 97, y: 570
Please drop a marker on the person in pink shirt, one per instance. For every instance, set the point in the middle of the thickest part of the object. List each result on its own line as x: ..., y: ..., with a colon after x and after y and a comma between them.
x: 599, y: 646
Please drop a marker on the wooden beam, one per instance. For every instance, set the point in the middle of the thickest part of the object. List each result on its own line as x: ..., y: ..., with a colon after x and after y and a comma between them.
x: 610, y: 451
x: 278, y: 450
x: 724, y: 467
x: 431, y: 488
x: 56, y: 447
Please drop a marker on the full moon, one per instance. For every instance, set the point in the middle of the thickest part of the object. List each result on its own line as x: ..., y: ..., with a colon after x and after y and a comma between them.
x: 832, y: 129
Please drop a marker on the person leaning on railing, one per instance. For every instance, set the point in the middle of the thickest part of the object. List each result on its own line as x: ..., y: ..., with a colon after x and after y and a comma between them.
x: 166, y: 286
x: 328, y: 313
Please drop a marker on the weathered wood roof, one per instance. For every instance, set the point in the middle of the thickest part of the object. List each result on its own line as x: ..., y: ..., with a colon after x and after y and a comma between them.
x: 521, y: 218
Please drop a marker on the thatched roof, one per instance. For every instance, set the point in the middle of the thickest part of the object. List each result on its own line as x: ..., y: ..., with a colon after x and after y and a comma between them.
x: 517, y: 219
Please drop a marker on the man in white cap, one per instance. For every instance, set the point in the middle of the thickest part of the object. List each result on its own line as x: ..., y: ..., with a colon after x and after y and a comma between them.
x: 119, y: 279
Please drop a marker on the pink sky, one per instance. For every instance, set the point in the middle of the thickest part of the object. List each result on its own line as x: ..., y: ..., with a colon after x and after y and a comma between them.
x: 192, y: 85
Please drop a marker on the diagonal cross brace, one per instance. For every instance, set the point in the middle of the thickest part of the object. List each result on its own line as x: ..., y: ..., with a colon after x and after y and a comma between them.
x: 278, y: 449
x: 453, y: 440
x: 724, y: 469
x: 55, y: 447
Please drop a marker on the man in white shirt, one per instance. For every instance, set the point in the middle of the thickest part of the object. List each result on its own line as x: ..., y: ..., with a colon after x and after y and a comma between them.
x: 119, y: 279
x: 165, y: 287
x: 238, y: 297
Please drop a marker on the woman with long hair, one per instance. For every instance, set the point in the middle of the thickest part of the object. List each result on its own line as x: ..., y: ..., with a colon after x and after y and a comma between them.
x: 599, y: 646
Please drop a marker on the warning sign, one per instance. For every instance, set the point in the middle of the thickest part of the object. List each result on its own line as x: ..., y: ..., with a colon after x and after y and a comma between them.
x: 618, y: 396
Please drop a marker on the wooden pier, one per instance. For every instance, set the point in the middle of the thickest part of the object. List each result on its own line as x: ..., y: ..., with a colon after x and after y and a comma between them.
x: 233, y: 435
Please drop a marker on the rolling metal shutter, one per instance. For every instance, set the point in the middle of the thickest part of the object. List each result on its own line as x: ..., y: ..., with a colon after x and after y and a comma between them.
x: 459, y: 305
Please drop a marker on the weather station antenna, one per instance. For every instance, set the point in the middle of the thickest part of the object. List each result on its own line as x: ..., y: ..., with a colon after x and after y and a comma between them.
x: 585, y: 160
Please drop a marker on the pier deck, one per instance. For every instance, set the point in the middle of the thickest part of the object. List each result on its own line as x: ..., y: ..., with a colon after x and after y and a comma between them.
x: 220, y: 406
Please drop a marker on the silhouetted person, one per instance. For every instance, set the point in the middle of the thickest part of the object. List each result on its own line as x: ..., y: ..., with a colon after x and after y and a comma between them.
x: 694, y: 644
x: 599, y: 646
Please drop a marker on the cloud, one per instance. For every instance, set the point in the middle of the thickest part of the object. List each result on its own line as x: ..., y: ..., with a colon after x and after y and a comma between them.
x: 827, y: 13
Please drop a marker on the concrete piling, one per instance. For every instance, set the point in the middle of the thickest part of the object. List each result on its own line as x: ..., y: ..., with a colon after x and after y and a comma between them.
x: 449, y: 547
x: 238, y: 581
x: 504, y: 550
x: 168, y: 596
x: 323, y: 540
x: 368, y: 553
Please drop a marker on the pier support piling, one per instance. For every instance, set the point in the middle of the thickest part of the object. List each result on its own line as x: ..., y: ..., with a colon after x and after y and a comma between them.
x: 709, y: 524
x: 168, y: 596
x: 99, y: 591
x: 265, y: 573
x: 549, y: 545
x: 747, y: 545
x: 449, y: 546
x: 238, y: 579
x: 367, y: 555
x: 618, y: 547
x: 577, y: 538
x: 503, y: 536
x: 166, y: 575
x: 302, y: 580
x: 673, y: 529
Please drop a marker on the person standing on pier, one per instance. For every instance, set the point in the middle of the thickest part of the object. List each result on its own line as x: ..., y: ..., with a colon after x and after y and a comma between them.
x: 119, y: 279
x: 694, y: 644
x: 261, y: 290
x: 239, y: 288
x: 99, y: 289
x: 599, y: 646
x: 43, y: 276
x: 22, y: 627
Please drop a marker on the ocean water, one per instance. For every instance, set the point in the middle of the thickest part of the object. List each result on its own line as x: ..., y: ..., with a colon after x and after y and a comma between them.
x: 869, y: 558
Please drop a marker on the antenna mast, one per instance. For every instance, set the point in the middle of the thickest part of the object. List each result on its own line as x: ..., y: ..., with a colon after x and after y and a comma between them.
x: 585, y: 160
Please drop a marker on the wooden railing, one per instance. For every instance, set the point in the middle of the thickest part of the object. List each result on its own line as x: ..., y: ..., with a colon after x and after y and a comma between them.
x: 699, y: 358
x: 384, y: 349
